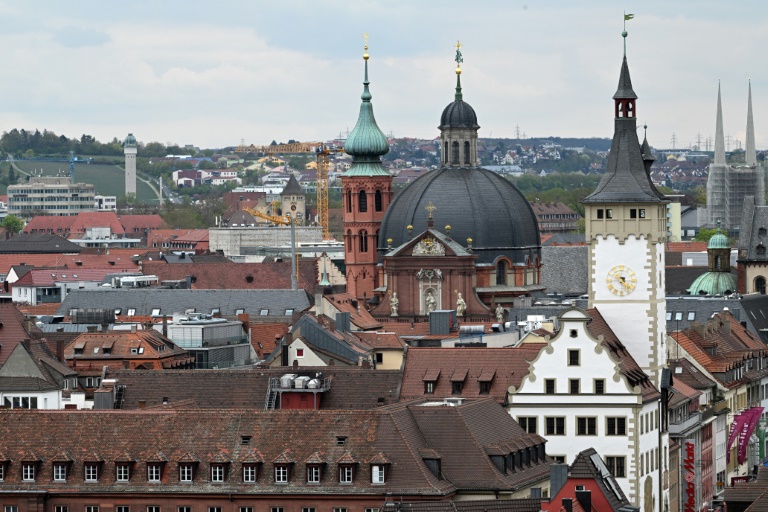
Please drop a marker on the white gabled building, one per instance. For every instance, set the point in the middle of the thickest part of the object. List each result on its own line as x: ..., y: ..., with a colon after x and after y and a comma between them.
x: 585, y: 390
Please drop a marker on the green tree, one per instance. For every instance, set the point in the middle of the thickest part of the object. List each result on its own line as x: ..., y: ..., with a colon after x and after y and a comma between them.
x: 705, y: 234
x: 12, y: 223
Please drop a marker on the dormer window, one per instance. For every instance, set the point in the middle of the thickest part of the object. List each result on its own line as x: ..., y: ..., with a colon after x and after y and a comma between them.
x: 59, y: 472
x: 91, y: 472
x: 378, y: 474
x: 154, y: 472
x: 313, y: 473
x: 218, y: 473
x: 186, y: 472
x: 250, y: 473
x: 346, y: 473
x: 281, y: 473
x: 28, y: 471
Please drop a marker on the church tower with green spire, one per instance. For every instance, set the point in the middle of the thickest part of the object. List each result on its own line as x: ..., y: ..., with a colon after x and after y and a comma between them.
x: 367, y: 192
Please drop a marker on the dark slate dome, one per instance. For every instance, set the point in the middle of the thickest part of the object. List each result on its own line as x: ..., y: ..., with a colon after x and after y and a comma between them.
x: 459, y: 114
x: 477, y: 204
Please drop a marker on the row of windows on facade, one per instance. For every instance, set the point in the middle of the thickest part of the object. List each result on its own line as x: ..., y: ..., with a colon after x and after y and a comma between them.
x: 649, y: 461
x: 180, y: 508
x: 82, y: 206
x: 550, y: 216
x: 585, y: 426
x: 214, y: 311
x: 49, y: 199
x: 362, y: 201
x: 51, y: 190
x: 218, y: 472
x: 607, y: 213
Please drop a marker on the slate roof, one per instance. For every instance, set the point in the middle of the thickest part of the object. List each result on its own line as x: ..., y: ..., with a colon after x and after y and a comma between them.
x: 397, y: 431
x: 230, y: 275
x: 143, y: 300
x: 584, y: 466
x: 690, y: 375
x: 37, y: 243
x: 754, y: 218
x: 565, y: 239
x: 351, y: 387
x: 514, y: 505
x: 565, y: 269
x: 681, y: 308
x: 625, y: 179
x: 510, y: 366
x: 755, y: 308
x: 292, y: 188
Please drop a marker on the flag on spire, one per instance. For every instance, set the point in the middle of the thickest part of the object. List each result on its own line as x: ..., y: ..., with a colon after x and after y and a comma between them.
x: 628, y: 17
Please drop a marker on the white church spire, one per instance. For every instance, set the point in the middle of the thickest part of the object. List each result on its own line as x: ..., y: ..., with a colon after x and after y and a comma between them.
x: 719, y: 138
x: 751, y: 153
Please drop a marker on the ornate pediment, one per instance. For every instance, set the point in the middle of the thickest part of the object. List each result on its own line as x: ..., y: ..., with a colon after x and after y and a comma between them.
x: 429, y: 274
x: 428, y: 246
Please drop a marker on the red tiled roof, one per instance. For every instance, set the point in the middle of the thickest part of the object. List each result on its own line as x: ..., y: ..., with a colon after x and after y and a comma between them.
x: 266, y: 337
x: 381, y: 340
x: 691, y: 246
x: 504, y: 366
x: 12, y: 331
x: 85, y: 220
x: 141, y: 222
x: 359, y: 316
x: 47, y: 277
x: 231, y: 275
x: 158, y: 351
x: 194, y: 235
x: 49, y: 223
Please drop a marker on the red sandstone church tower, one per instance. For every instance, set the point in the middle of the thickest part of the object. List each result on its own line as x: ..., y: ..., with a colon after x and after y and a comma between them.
x: 367, y: 192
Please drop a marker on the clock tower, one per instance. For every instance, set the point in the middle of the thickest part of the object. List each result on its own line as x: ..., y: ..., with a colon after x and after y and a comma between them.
x: 626, y: 228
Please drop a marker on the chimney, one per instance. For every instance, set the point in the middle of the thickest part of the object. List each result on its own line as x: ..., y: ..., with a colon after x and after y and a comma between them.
x: 585, y: 499
x: 568, y: 504
x: 133, y: 328
x: 60, y: 350
x: 189, y: 282
x: 165, y: 326
x: 142, y: 404
x: 558, y: 475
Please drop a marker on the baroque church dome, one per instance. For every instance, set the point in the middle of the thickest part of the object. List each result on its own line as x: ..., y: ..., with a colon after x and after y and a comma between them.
x: 474, y: 202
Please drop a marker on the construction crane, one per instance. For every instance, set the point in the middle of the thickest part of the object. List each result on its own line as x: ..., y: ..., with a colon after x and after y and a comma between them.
x: 321, y: 152
x: 285, y: 221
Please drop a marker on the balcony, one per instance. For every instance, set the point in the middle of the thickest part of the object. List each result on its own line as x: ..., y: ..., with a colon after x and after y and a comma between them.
x: 720, y: 407
x: 685, y: 426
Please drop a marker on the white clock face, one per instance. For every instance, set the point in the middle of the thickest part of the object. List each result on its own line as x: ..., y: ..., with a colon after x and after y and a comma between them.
x: 621, y: 280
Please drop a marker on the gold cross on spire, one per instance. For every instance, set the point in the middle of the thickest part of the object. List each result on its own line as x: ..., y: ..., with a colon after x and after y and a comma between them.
x: 430, y: 208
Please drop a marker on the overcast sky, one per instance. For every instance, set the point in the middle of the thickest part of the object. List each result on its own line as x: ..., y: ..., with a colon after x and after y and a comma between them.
x: 212, y: 73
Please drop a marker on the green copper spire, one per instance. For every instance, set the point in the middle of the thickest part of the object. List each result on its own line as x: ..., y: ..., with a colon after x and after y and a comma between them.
x: 366, y: 143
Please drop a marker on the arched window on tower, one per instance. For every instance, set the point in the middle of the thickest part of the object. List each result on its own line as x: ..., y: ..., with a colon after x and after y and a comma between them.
x: 363, y: 240
x: 501, y: 272
x: 760, y: 285
x: 349, y: 201
x: 362, y: 202
x: 466, y: 152
x: 349, y: 240
x: 455, y: 152
x: 377, y: 200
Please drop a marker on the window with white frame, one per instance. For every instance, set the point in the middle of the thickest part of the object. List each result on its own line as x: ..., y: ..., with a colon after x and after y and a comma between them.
x: 313, y: 474
x: 61, y: 508
x: 615, y: 426
x: 345, y: 475
x: 122, y: 508
x: 377, y: 474
x: 183, y: 509
x: 617, y: 466
x: 245, y: 509
x: 307, y: 509
x: 281, y: 474
x: 217, y: 473
x: 91, y: 472
x: 28, y: 471
x: 92, y: 508
x: 339, y: 509
x: 2, y: 471
x: 249, y: 473
x: 59, y: 472
x: 123, y: 472
x: 10, y: 508
x: 276, y: 509
x: 214, y: 509
x: 185, y: 473
x: 153, y: 508
x: 153, y: 472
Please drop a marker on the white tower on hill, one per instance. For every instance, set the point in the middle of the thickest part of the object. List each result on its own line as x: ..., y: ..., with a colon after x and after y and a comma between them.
x: 130, y: 148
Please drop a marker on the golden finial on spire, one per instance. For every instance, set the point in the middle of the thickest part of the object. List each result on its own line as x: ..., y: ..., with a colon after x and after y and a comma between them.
x: 365, y: 47
x: 459, y: 58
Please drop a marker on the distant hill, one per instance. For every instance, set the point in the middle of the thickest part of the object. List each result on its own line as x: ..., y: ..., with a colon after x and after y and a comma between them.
x: 594, y: 144
x: 109, y: 180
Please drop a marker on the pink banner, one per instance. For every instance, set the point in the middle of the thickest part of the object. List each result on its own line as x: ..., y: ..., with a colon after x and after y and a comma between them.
x: 746, y: 432
x: 736, y: 426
